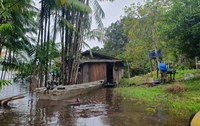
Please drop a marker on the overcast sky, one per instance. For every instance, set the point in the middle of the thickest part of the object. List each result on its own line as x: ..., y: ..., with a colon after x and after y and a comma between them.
x: 113, y: 11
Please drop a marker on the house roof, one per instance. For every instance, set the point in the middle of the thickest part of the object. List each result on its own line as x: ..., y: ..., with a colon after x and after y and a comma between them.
x: 101, y: 56
x: 100, y: 61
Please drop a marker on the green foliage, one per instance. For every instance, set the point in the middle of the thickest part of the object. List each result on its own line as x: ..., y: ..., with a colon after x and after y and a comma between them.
x: 181, y: 73
x: 6, y: 27
x: 141, y: 22
x: 193, y: 85
x: 137, y: 80
x: 171, y: 26
x: 181, y: 24
x: 116, y: 38
x: 53, y: 51
x: 137, y: 55
x: 4, y: 83
x: 24, y: 71
x: 55, y: 67
x: 149, y: 95
x: 179, y: 101
x: 149, y: 77
x: 126, y: 82
x: 16, y: 28
x: 77, y: 5
x: 95, y: 34
x: 115, y: 41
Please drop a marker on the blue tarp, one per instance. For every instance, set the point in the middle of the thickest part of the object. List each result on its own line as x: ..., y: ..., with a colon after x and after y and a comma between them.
x: 152, y: 55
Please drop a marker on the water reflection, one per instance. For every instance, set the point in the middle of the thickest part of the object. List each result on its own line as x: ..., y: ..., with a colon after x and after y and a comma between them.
x: 99, y: 108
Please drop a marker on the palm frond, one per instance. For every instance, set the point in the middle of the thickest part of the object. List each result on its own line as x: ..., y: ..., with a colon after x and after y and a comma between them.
x: 95, y: 34
x: 4, y: 83
x: 84, y: 45
x: 98, y: 13
x: 78, y: 6
x: 68, y: 24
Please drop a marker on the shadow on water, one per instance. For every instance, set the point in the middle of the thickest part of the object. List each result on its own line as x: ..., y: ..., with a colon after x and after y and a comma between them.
x: 99, y: 108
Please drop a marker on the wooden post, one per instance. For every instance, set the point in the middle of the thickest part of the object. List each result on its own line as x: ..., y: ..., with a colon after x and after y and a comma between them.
x: 151, y: 68
x: 157, y: 69
x: 196, y: 61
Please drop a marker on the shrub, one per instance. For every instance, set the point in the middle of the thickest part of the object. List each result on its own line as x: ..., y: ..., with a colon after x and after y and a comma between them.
x: 126, y: 82
x: 176, y: 88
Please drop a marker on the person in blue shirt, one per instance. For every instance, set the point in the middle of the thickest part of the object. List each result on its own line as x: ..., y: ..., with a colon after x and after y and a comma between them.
x: 163, y: 72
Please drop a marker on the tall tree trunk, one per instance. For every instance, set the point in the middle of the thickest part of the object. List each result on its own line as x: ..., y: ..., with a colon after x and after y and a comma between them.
x: 1, y: 40
x: 155, y: 48
x: 62, y: 53
x: 67, y: 57
x: 34, y: 81
x: 1, y: 47
x: 42, y: 42
x: 71, y: 48
x: 72, y: 45
x: 47, y: 52
x: 55, y: 28
x: 78, y: 48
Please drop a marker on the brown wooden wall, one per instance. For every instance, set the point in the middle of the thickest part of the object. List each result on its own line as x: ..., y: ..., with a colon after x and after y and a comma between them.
x: 117, y: 73
x: 98, y: 71
x: 93, y: 72
x: 85, y: 73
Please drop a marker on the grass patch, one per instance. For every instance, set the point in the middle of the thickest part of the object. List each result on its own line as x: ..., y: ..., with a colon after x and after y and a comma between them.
x: 181, y: 73
x: 135, y: 80
x: 181, y: 98
x: 148, y: 78
x: 141, y: 93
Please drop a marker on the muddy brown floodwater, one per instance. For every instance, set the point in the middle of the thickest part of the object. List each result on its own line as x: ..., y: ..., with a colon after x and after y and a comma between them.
x: 102, y: 107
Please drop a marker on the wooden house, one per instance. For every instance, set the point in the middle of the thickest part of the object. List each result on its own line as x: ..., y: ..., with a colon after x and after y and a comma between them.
x: 96, y: 66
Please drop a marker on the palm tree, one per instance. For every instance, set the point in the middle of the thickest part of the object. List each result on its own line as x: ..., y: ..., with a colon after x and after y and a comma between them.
x: 50, y: 10
x: 72, y: 19
x: 72, y: 38
x: 16, y: 20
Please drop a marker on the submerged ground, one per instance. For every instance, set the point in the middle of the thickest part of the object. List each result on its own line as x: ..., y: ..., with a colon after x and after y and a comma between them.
x: 103, y: 107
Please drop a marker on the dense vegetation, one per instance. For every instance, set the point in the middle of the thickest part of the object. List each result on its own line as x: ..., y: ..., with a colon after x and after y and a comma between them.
x: 29, y: 37
x: 169, y: 26
x: 62, y: 26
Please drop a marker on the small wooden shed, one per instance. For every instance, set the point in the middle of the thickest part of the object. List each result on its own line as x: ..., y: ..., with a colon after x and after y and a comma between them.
x: 100, y: 67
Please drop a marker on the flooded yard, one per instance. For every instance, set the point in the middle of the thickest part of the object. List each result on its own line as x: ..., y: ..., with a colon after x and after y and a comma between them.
x: 102, y: 107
